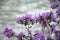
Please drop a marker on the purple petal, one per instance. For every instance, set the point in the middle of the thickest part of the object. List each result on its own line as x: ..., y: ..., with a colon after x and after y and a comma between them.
x: 54, y: 5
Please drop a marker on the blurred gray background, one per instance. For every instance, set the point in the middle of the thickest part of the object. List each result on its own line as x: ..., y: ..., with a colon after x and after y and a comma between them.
x: 11, y: 9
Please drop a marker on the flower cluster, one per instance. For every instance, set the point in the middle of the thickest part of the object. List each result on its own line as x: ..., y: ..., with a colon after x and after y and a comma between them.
x: 24, y: 19
x: 57, y: 34
x: 20, y: 36
x: 45, y: 20
x: 54, y: 5
x: 9, y: 32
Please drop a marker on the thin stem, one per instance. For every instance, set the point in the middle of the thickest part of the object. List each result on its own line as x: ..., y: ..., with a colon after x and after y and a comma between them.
x: 28, y: 31
x: 42, y: 29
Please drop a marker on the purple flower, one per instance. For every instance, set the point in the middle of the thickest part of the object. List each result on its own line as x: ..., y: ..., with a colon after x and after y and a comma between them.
x: 30, y: 35
x: 27, y: 19
x: 58, y: 11
x: 53, y: 26
x: 54, y: 5
x: 48, y: 36
x: 35, y: 19
x: 39, y: 36
x: 54, y: 17
x: 8, y: 32
x: 44, y: 24
x: 29, y: 32
x: 39, y: 18
x: 24, y: 19
x: 57, y: 38
x: 19, y: 37
x: 57, y: 33
x: 19, y: 20
x: 46, y: 14
x: 37, y: 32
x: 31, y: 38
x: 28, y: 16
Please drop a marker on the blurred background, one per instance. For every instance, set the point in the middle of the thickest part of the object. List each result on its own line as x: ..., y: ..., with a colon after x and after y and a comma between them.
x: 11, y: 9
